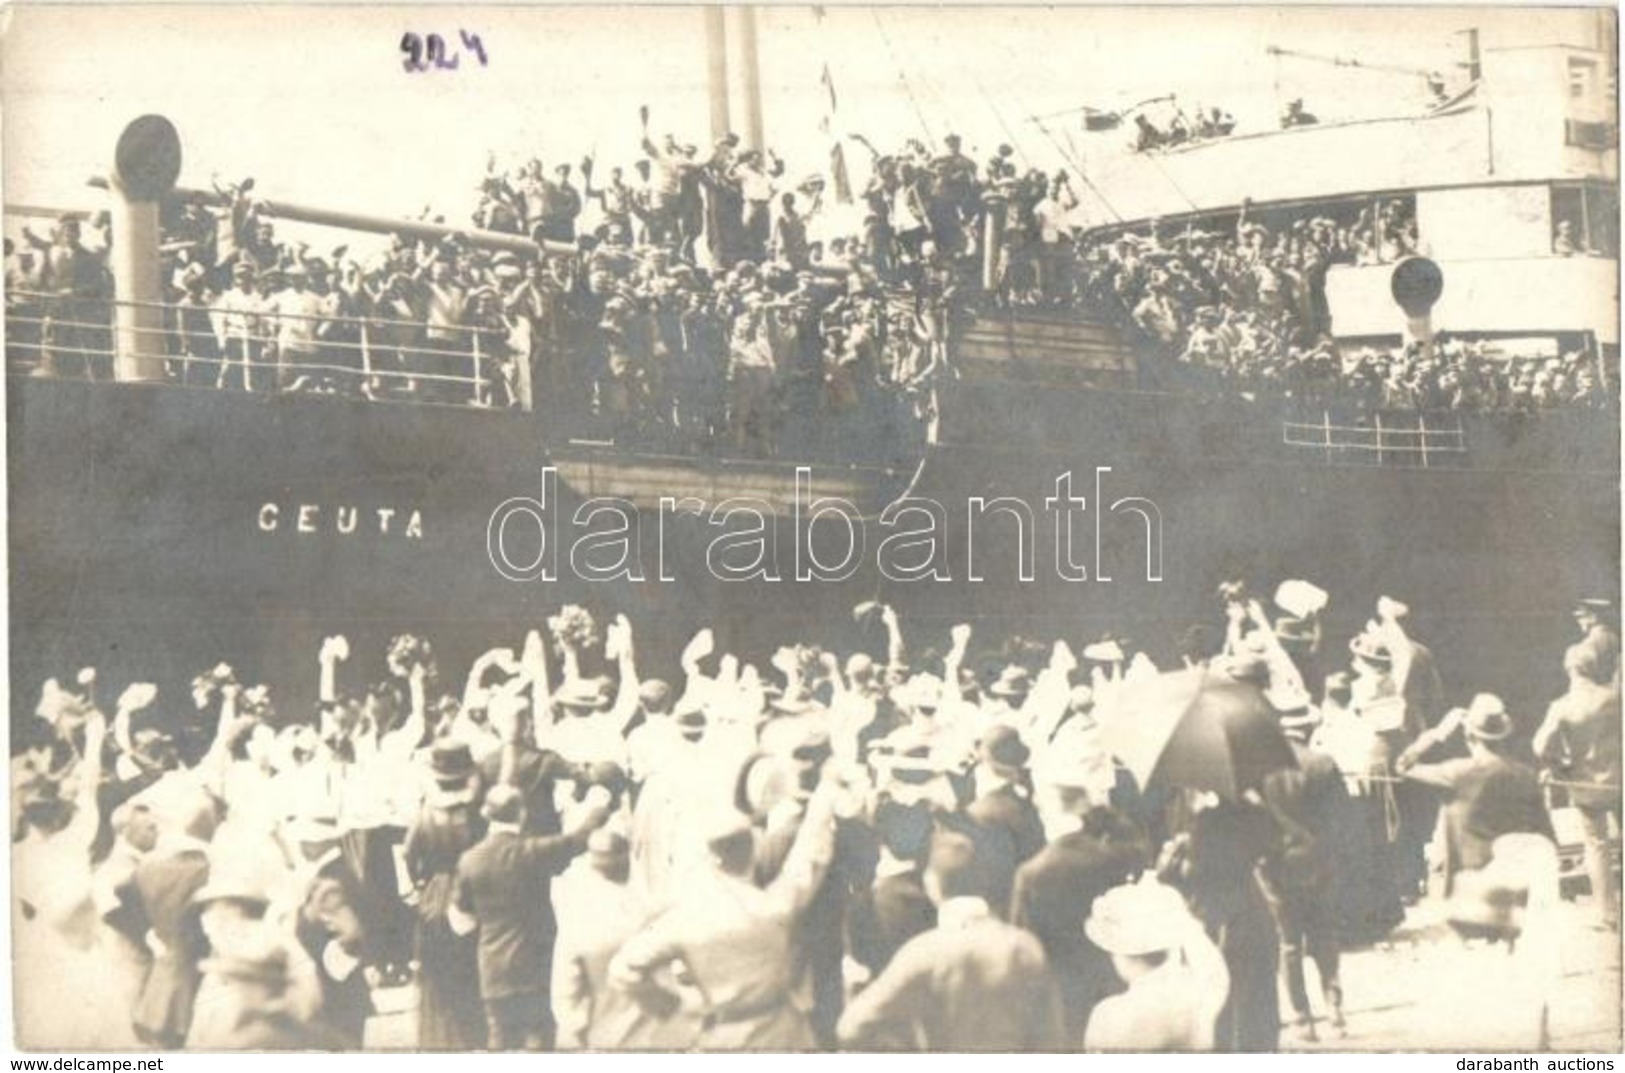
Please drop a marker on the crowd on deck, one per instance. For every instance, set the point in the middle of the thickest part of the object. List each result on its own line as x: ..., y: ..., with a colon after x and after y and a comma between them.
x: 987, y: 844
x: 1248, y: 313
x: 716, y: 301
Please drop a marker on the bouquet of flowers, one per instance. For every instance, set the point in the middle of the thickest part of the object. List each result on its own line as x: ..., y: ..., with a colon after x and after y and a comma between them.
x: 573, y: 628
x: 206, y: 686
x: 407, y: 651
x: 809, y: 664
x: 255, y: 703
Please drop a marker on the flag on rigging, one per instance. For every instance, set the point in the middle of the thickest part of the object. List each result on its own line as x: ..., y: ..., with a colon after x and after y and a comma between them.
x: 839, y: 179
x: 828, y: 83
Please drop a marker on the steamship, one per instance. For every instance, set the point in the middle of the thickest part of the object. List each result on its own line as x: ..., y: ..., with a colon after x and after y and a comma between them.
x: 157, y: 529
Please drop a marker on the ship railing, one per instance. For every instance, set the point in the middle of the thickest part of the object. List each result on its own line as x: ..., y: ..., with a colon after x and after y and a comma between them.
x: 1420, y: 440
x: 380, y: 359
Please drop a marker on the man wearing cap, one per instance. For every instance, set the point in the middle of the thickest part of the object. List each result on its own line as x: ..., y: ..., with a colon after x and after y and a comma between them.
x: 971, y: 983
x: 1486, y: 794
x: 503, y: 891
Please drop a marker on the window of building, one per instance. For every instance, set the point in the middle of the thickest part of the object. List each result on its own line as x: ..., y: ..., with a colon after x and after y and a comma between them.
x: 1585, y: 220
x: 1582, y: 78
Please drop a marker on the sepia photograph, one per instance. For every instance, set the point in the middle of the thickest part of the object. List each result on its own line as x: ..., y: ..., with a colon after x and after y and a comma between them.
x: 794, y: 528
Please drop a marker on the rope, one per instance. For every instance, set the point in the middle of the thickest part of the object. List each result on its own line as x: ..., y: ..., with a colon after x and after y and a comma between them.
x: 1555, y: 783
x: 998, y: 115
x: 1151, y: 155
x: 1077, y: 166
x: 902, y: 76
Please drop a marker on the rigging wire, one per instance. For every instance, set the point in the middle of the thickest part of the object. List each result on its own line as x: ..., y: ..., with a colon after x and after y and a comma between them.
x: 1151, y: 155
x: 998, y: 115
x: 902, y: 76
x: 1077, y: 166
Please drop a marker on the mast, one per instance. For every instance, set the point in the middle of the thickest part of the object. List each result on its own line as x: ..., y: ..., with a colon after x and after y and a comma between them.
x: 746, y: 77
x: 716, y: 70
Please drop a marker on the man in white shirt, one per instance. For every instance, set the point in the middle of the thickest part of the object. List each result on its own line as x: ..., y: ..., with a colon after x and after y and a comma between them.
x: 296, y: 313
x: 238, y: 322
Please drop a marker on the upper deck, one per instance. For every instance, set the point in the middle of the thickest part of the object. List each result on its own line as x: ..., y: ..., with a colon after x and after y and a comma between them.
x: 1542, y: 114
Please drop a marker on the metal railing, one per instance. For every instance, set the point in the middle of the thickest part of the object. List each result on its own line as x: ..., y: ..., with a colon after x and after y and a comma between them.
x: 268, y: 351
x: 1411, y: 442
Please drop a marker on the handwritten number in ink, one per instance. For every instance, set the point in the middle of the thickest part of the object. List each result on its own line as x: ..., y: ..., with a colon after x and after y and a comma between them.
x: 412, y: 45
x: 437, y: 54
x: 430, y: 52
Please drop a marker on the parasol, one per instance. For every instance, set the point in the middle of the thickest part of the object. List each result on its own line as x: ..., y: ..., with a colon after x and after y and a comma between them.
x: 1197, y: 730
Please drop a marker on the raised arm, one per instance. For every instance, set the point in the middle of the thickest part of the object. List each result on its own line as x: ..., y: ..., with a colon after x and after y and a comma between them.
x: 1409, y: 764
x: 401, y: 741
x: 810, y: 854
x: 1548, y: 742
x: 474, y: 690
x: 1047, y: 702
x: 698, y: 648
x: 896, y: 655
x: 334, y: 650
x: 618, y: 647
x: 533, y: 665
x: 87, y: 817
x: 959, y: 638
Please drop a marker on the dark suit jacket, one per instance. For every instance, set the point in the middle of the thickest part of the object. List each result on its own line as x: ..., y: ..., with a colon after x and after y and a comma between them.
x: 881, y: 918
x: 1307, y: 802
x: 535, y: 775
x: 1008, y: 832
x: 505, y: 884
x: 1052, y: 897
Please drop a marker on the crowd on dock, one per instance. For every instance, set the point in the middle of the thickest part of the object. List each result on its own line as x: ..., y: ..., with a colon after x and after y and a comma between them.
x: 563, y: 848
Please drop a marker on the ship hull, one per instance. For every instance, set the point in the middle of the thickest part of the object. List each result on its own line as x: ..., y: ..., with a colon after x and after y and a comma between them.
x: 155, y: 532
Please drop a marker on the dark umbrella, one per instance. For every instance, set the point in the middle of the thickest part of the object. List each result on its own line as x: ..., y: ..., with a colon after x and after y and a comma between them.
x: 1196, y: 730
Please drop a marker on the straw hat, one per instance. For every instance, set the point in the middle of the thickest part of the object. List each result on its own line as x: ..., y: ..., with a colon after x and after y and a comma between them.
x: 1137, y: 919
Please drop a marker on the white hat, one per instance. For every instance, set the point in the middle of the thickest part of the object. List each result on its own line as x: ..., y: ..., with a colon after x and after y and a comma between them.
x: 1137, y: 919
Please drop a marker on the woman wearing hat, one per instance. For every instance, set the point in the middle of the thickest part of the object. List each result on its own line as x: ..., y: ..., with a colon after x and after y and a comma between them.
x: 450, y: 1015
x: 1176, y: 977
